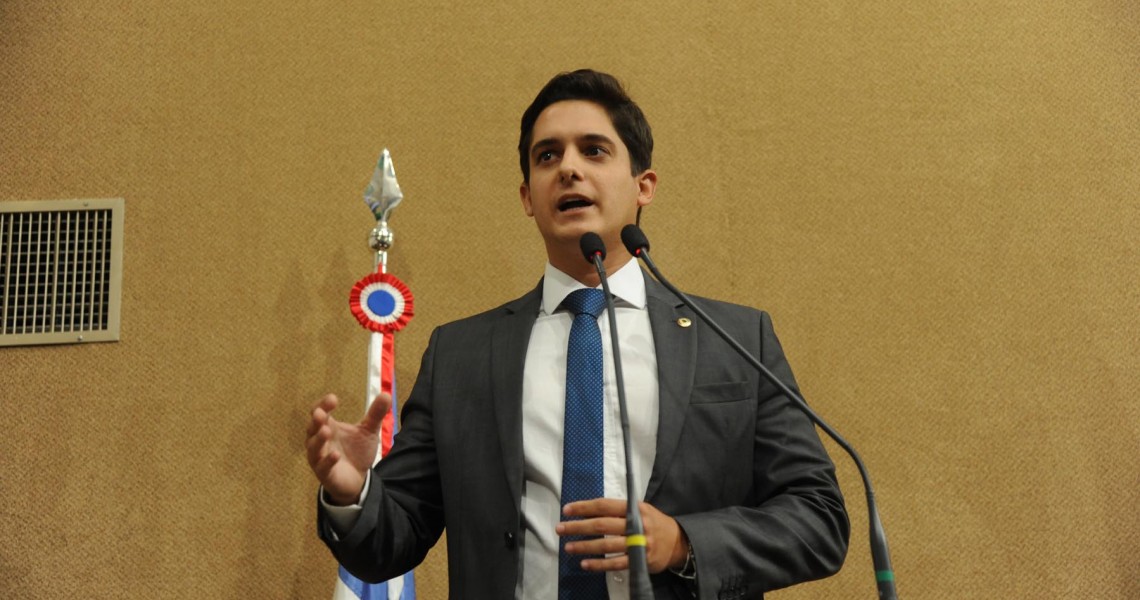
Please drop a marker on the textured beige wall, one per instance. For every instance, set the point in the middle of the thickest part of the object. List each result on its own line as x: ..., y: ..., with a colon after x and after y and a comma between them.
x: 937, y: 201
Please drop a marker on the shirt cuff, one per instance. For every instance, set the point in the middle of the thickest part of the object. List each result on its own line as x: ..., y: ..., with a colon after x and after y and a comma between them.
x: 343, y: 518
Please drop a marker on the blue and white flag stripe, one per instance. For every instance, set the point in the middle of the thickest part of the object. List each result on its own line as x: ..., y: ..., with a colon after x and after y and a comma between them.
x: 351, y: 588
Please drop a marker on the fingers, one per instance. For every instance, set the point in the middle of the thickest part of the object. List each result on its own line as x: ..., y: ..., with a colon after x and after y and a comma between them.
x: 376, y: 412
x: 320, y: 414
x: 338, y: 453
x: 607, y: 552
x: 598, y: 507
x: 323, y: 465
x: 318, y: 446
x: 597, y: 517
x: 602, y: 521
x: 318, y: 434
x: 596, y: 526
x: 609, y: 544
x: 612, y: 563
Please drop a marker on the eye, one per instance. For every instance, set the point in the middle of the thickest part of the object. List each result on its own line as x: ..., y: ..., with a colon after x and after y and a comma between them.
x: 595, y: 151
x: 544, y: 157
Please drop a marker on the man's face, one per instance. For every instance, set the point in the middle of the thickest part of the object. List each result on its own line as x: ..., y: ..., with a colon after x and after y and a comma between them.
x: 580, y: 177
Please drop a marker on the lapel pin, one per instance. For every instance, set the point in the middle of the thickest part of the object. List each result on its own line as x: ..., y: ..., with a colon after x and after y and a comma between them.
x: 683, y: 322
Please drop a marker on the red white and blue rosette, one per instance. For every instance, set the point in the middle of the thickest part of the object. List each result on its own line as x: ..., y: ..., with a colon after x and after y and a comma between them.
x: 382, y: 303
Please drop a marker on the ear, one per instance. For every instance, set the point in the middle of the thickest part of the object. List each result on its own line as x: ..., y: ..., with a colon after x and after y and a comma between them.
x: 524, y: 195
x: 646, y: 187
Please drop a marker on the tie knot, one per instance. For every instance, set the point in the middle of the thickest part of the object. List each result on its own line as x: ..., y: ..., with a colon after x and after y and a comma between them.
x: 586, y: 302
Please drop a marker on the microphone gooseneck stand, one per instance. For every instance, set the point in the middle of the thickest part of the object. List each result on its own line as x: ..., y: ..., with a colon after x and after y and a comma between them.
x: 638, y: 245
x: 639, y: 586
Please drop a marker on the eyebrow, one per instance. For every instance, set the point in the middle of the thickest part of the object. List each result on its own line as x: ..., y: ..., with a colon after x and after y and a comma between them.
x: 589, y: 137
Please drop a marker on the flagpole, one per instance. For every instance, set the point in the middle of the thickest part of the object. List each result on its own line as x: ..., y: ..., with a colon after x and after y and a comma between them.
x: 383, y: 305
x: 381, y: 240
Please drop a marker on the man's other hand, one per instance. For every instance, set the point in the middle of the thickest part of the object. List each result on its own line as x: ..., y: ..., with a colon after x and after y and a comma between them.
x: 665, y: 542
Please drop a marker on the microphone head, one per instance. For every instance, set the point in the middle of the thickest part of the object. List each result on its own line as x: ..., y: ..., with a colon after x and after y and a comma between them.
x: 592, y: 245
x: 634, y: 240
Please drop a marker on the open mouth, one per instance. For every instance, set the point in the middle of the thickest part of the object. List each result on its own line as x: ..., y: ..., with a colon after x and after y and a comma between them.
x: 573, y: 202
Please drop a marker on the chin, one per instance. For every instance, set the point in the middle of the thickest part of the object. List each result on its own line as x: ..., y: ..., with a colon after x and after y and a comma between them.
x: 574, y: 231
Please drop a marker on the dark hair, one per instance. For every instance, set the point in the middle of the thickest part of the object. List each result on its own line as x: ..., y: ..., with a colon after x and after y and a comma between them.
x: 602, y: 89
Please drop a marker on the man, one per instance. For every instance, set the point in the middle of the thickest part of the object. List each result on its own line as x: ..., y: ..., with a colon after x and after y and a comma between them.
x: 739, y: 495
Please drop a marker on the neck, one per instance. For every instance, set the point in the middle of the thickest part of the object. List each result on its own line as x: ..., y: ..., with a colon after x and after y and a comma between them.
x: 584, y: 272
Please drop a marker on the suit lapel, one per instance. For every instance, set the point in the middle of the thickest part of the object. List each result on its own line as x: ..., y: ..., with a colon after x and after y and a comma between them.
x: 509, y: 340
x: 676, y: 350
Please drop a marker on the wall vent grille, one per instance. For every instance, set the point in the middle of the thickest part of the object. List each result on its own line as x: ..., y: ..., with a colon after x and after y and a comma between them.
x: 60, y: 271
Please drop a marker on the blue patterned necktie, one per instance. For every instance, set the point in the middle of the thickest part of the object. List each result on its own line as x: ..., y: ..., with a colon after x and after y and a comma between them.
x: 582, y: 442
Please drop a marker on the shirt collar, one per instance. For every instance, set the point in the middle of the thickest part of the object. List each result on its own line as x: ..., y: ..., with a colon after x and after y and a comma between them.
x: 627, y: 284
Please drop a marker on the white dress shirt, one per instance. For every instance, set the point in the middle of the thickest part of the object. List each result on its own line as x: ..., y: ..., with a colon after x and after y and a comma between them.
x: 543, y: 404
x: 544, y: 401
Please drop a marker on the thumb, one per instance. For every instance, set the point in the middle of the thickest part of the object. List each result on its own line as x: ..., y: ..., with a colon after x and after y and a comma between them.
x: 376, y: 412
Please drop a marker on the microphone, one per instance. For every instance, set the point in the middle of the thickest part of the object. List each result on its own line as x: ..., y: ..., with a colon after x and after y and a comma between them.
x: 594, y: 249
x: 638, y: 245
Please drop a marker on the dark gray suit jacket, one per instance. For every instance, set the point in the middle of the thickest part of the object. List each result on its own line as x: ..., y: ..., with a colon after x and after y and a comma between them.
x: 738, y: 466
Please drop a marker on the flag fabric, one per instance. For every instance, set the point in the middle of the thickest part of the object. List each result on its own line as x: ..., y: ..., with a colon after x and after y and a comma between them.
x: 383, y: 305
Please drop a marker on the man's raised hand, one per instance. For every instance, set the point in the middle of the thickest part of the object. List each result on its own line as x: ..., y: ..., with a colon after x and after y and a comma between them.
x: 339, y: 453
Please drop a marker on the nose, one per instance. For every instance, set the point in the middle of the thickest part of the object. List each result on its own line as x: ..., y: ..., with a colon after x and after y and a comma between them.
x: 568, y: 176
x: 568, y: 168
